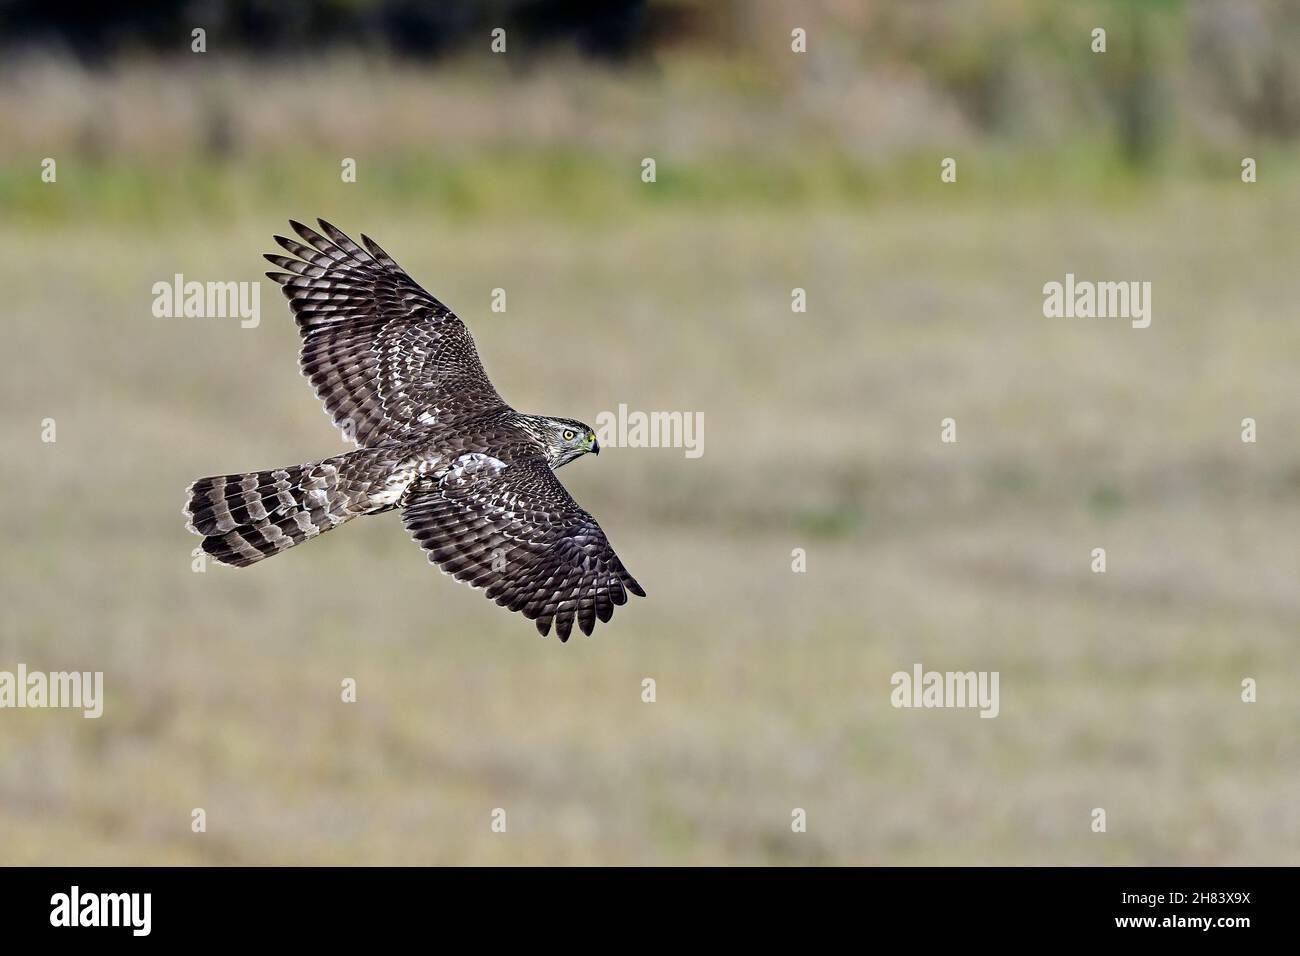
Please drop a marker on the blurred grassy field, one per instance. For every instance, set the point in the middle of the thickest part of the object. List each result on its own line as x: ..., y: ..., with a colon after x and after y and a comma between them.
x: 822, y: 432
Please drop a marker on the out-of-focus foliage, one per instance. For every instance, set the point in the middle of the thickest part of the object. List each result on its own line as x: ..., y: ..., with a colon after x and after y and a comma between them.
x: 1011, y: 88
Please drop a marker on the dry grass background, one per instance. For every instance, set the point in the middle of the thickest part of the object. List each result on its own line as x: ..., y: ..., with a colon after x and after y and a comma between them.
x: 1118, y: 691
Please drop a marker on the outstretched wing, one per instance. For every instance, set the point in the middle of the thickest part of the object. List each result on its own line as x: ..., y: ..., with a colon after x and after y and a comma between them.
x: 514, y: 530
x: 384, y: 356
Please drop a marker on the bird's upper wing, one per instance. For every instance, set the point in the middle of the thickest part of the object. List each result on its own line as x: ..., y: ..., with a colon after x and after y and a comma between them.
x: 384, y: 356
x: 514, y: 530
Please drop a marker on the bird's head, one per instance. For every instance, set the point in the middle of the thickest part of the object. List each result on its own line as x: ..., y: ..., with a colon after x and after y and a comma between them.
x: 567, y: 439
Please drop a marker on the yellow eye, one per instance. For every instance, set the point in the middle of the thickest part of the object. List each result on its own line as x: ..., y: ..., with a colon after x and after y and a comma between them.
x: 568, y: 434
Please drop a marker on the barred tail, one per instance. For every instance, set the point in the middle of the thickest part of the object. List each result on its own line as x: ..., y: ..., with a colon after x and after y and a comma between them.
x: 245, y: 518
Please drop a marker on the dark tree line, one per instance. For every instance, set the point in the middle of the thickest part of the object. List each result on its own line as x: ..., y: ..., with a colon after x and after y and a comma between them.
x: 421, y: 29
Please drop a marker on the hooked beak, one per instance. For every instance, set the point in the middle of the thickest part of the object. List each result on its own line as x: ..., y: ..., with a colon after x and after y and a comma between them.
x: 595, y: 447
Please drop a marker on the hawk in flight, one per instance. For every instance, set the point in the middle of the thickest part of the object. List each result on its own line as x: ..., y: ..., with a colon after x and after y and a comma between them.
x: 474, y: 479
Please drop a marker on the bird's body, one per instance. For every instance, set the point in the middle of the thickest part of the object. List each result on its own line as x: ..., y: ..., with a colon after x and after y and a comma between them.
x: 399, y: 373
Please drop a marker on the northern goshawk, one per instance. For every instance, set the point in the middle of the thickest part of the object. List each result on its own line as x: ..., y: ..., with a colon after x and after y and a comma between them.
x: 475, y: 479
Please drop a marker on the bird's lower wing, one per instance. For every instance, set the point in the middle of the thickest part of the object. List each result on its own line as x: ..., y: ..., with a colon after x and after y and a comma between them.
x: 516, y: 532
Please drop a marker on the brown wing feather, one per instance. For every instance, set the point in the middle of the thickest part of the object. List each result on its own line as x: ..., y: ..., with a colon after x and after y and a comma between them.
x: 384, y: 356
x: 516, y: 532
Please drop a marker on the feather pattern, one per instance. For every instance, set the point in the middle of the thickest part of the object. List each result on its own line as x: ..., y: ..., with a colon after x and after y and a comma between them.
x: 475, y: 479
x: 515, y: 531
x: 385, y: 357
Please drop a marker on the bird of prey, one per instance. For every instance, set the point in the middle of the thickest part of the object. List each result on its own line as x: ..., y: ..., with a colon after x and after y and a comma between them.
x: 474, y: 479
